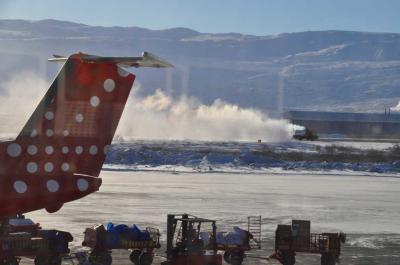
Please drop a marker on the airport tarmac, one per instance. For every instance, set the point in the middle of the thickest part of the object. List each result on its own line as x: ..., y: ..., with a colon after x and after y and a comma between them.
x: 367, y: 208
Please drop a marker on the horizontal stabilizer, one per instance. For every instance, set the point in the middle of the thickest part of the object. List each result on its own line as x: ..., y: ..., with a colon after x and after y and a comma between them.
x: 146, y: 60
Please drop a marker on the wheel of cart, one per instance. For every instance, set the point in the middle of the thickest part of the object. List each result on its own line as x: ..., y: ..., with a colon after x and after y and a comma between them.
x: 53, y: 259
x: 146, y: 258
x: 140, y: 257
x: 9, y: 261
x: 100, y: 257
x: 135, y: 255
x: 76, y: 258
x: 288, y: 258
x: 328, y: 259
x: 234, y: 257
x: 227, y: 257
x: 234, y: 253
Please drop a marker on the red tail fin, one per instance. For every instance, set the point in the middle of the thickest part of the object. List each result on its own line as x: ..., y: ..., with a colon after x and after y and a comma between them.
x: 77, y: 118
x: 67, y: 134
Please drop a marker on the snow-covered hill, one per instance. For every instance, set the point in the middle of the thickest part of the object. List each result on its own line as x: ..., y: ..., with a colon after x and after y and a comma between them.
x: 330, y: 70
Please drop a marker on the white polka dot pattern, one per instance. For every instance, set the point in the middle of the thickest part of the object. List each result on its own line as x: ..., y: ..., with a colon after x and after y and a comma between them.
x: 31, y: 167
x: 79, y: 117
x: 122, y: 72
x: 32, y: 150
x: 49, y: 132
x: 34, y: 133
x: 82, y: 184
x: 49, y: 149
x: 105, y: 149
x: 65, y: 167
x: 49, y: 115
x: 20, y: 186
x: 93, y: 150
x: 65, y: 149
x: 79, y: 150
x: 52, y: 185
x: 109, y: 85
x: 94, y: 101
x: 14, y: 150
x: 48, y: 167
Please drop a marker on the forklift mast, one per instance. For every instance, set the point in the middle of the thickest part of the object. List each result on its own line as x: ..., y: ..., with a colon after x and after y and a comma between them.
x: 187, y: 222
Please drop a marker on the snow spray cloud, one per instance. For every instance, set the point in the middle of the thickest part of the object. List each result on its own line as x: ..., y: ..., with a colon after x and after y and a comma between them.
x: 396, y: 108
x: 19, y: 96
x: 159, y: 116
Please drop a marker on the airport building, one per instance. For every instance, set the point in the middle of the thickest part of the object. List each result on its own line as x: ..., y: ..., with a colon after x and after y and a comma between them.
x: 348, y: 125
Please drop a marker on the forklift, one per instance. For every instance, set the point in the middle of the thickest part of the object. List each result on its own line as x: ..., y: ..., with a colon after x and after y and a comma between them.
x: 290, y: 239
x: 184, y: 246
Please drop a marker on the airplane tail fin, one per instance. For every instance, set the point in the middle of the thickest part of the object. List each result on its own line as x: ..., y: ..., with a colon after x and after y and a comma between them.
x: 73, y: 125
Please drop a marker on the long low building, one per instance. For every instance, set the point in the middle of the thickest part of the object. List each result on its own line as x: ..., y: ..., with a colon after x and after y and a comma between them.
x: 347, y: 124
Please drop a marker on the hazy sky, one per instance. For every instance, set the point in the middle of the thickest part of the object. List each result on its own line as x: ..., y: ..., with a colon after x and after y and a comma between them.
x: 260, y: 17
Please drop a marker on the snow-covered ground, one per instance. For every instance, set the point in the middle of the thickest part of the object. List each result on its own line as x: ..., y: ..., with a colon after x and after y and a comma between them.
x: 143, y: 181
x: 365, y: 207
x: 251, y: 157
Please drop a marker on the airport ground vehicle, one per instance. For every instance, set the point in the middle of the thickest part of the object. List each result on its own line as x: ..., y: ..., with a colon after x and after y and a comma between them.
x: 235, y: 253
x: 184, y: 246
x: 237, y: 244
x: 22, y: 237
x: 102, y: 241
x: 290, y: 239
x: 305, y: 134
x: 190, y: 241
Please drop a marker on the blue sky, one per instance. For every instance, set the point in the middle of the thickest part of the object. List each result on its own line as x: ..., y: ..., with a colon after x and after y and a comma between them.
x: 259, y: 17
